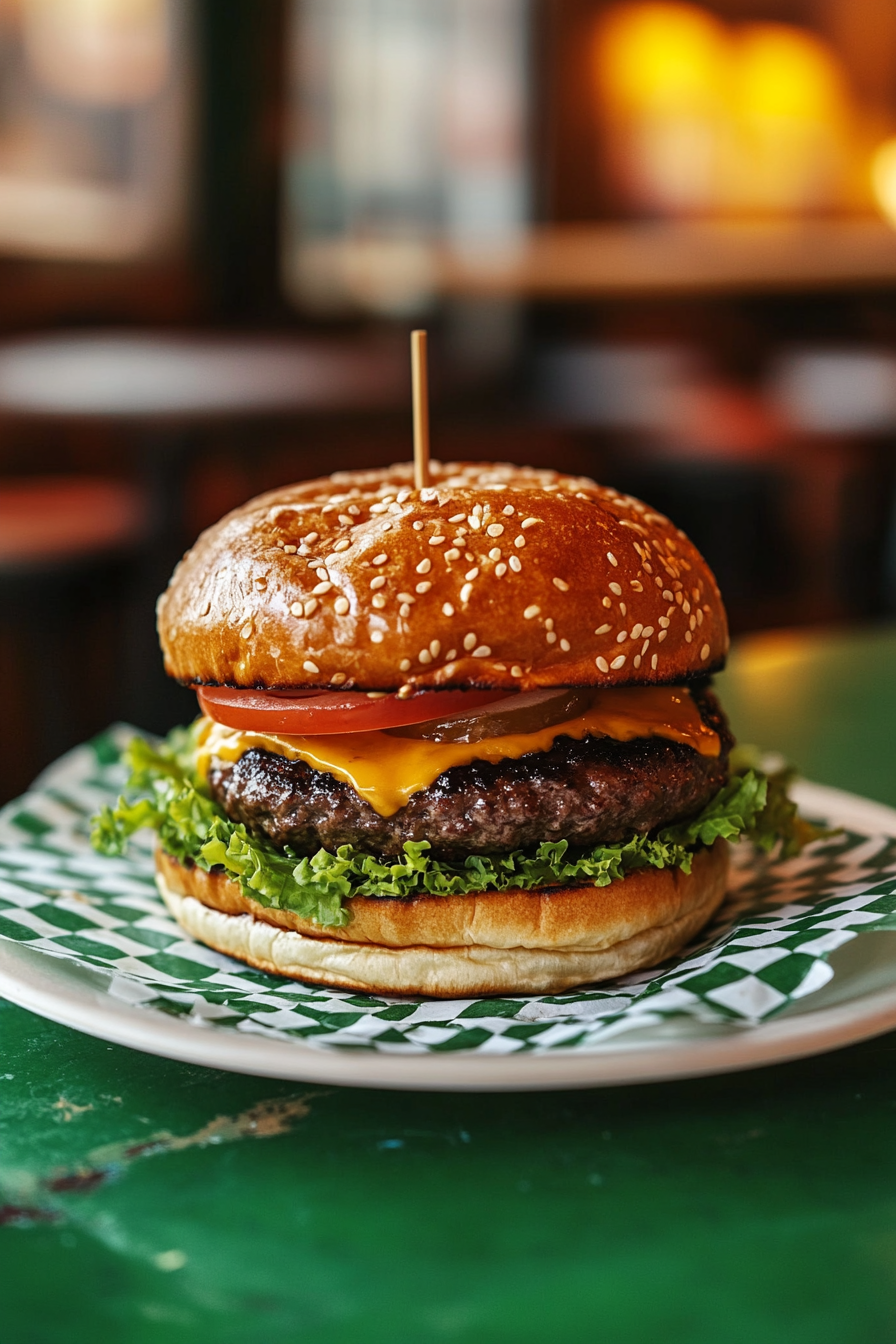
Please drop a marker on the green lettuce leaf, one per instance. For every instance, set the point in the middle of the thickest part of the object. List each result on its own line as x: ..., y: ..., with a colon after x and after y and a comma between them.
x: 166, y: 795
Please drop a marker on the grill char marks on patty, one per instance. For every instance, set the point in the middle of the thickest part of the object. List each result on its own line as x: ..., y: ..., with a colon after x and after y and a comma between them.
x: 589, y: 792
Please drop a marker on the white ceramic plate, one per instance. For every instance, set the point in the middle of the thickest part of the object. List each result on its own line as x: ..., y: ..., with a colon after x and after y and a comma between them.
x: 859, y: 1002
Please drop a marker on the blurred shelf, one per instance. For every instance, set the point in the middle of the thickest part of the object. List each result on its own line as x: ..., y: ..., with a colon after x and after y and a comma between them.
x: 584, y: 261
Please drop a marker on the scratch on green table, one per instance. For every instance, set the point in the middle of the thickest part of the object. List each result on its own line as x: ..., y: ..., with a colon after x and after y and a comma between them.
x: 28, y: 1198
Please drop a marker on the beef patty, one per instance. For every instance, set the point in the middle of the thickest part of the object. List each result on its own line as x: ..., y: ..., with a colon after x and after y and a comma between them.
x: 589, y: 792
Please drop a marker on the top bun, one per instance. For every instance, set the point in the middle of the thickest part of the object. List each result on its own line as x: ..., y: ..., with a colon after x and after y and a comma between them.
x: 493, y: 576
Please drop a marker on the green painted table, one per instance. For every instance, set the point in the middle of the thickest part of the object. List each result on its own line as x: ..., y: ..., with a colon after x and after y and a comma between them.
x: 147, y: 1201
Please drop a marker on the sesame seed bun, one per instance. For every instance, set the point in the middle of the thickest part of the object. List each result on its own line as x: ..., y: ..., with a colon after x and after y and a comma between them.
x: 495, y: 576
x: 521, y: 942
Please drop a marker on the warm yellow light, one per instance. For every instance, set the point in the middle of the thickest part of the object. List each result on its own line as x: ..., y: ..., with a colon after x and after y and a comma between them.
x: 660, y: 56
x: 786, y: 72
x: 883, y: 179
x: 708, y: 117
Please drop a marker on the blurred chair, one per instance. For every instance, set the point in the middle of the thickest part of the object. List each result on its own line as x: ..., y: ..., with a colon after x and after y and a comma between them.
x: 65, y: 547
x: 68, y: 548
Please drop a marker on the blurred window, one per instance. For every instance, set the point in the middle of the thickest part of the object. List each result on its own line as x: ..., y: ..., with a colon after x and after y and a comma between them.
x: 93, y: 127
x: 408, y: 126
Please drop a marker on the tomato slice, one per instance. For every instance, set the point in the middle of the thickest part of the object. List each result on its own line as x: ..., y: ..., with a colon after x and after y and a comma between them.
x: 323, y: 712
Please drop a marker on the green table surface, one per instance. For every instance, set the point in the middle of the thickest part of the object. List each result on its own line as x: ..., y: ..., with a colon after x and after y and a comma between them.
x: 149, y: 1201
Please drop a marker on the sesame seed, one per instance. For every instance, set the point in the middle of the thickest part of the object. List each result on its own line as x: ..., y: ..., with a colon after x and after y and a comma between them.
x: 474, y: 522
x: 418, y: 526
x: 636, y: 630
x: 551, y: 637
x: 602, y: 629
x: 500, y: 570
x: 406, y: 597
x: 549, y: 623
x: 516, y: 670
x: 602, y: 664
x: 322, y: 574
x: 647, y: 631
x: 561, y: 584
x: 667, y: 595
x: 345, y: 519
x: 645, y: 646
x: 453, y: 554
x: 424, y: 566
x: 622, y: 637
x: 457, y: 518
x: 246, y: 631
x: 404, y: 691
x: 378, y: 601
x: 623, y: 608
x: 508, y: 510
x: 692, y: 621
x: 530, y: 612
x: 699, y: 616
x: 321, y: 588
x: 482, y: 652
x: 664, y: 622
x: 342, y: 545
x: 378, y: 582
x: 311, y: 538
x: 423, y: 587
x: 515, y: 564
x: 400, y: 497
x: 310, y: 606
x: 434, y: 647
x: 380, y: 559
x: 340, y: 606
x: 519, y: 541
x: 296, y: 609
x: 529, y: 522
x: 614, y: 588
x: 704, y: 653
x: 404, y: 665
x: 612, y: 559
x: 471, y: 574
x: 606, y: 602
x: 637, y: 585
x: 618, y: 662
x: 653, y: 662
x: 662, y: 635
x: 376, y: 636
x: 688, y: 637
x: 469, y: 641
x: 495, y: 529
x: 425, y: 656
x: 637, y: 660
x: 290, y: 550
x: 564, y: 644
x: 404, y: 610
x: 494, y: 553
x: 451, y: 655
x: 338, y: 678
x: 447, y: 609
x: 678, y: 598
x: 308, y: 666
x: 436, y: 541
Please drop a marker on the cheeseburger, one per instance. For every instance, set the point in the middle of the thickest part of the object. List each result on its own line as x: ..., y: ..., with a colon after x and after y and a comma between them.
x: 453, y: 741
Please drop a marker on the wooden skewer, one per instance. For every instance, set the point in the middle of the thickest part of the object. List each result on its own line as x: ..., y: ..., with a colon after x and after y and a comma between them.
x: 420, y: 391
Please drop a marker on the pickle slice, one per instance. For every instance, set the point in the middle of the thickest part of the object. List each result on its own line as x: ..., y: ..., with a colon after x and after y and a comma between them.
x: 527, y: 712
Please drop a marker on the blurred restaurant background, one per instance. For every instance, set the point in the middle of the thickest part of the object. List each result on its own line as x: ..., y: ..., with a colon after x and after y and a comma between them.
x: 652, y: 241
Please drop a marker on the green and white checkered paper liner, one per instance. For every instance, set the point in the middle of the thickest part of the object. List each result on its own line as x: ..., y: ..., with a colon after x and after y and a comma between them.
x: 768, y: 947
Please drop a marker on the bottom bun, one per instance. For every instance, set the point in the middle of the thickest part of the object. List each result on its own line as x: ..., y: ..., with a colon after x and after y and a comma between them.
x: 599, y: 943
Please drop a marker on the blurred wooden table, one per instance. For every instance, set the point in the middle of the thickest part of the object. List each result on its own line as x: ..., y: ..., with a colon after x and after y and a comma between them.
x: 149, y: 1201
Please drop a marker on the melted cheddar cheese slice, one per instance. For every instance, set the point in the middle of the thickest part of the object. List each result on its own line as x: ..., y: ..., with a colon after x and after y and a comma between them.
x: 386, y: 770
